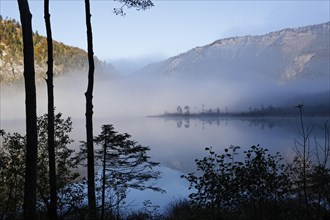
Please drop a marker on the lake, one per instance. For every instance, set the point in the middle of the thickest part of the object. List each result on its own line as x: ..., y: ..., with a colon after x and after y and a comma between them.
x: 177, y: 142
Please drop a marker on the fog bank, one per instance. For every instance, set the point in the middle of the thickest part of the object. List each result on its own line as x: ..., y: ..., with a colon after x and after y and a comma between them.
x: 135, y: 95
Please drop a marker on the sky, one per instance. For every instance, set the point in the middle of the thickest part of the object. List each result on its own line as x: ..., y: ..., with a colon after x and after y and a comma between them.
x: 169, y: 28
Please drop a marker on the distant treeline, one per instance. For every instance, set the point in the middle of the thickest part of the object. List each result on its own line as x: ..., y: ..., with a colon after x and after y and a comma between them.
x: 262, y: 111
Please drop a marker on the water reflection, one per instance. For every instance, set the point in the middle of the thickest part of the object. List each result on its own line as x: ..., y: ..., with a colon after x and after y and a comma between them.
x: 185, y: 122
x: 177, y: 142
x: 253, y: 122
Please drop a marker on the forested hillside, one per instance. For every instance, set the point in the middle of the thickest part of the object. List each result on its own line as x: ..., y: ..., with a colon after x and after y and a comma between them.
x: 66, y: 58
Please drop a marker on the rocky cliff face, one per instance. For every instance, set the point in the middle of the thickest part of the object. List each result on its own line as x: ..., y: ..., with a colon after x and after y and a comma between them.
x: 282, y: 55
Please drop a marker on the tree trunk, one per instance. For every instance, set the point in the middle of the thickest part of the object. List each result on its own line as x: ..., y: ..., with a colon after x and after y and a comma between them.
x: 52, y: 214
x: 29, y: 206
x: 89, y: 117
x: 305, y: 152
x: 103, y: 179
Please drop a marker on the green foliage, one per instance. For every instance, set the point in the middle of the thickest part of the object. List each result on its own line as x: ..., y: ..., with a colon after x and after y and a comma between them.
x: 149, y: 211
x: 12, y: 167
x: 214, y: 187
x: 138, y: 4
x: 247, y: 189
x: 320, y: 185
x: 124, y: 165
x: 182, y: 209
x: 310, y: 173
x: 122, y: 155
x: 65, y: 165
x: 264, y: 181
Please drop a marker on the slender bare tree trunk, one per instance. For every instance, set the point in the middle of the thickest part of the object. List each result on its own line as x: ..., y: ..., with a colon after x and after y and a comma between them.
x: 29, y: 206
x: 52, y: 214
x: 305, y: 152
x: 103, y: 179
x: 89, y: 117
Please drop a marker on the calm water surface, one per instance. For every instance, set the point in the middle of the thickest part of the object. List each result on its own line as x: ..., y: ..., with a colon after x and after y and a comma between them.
x: 176, y: 143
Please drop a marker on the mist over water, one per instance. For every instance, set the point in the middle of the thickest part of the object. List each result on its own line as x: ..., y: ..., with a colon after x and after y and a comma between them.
x: 124, y: 101
x: 139, y: 95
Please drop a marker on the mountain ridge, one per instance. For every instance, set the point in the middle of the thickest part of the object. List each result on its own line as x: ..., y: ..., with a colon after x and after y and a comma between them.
x: 293, y: 52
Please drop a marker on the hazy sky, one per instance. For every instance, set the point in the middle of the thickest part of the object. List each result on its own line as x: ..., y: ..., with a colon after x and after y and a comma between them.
x: 169, y: 28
